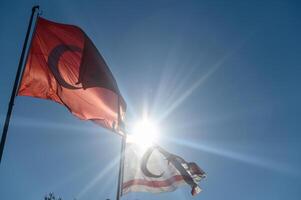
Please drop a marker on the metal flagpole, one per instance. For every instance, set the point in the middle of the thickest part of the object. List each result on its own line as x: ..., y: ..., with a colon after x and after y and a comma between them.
x: 16, y: 83
x: 121, y: 162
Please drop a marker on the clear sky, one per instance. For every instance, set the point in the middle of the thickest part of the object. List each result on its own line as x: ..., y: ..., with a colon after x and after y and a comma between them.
x: 222, y: 77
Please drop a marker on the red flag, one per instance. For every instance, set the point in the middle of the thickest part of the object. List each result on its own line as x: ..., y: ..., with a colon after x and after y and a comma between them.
x: 64, y: 66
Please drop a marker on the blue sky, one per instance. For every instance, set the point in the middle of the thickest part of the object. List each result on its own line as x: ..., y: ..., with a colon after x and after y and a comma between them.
x: 223, y: 77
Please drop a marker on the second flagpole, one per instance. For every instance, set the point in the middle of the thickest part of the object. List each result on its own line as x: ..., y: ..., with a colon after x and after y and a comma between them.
x: 121, y: 162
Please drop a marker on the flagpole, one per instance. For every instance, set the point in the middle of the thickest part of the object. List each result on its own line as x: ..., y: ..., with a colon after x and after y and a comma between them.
x: 121, y: 162
x: 16, y: 83
x: 121, y: 168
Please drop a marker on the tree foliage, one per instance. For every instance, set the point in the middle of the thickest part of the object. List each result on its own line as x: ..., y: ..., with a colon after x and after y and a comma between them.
x: 51, y: 196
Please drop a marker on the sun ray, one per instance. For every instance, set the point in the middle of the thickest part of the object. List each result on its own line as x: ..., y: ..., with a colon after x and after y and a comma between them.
x: 19, y: 121
x: 189, y: 91
x: 179, y: 99
x: 248, y: 159
x: 93, y: 182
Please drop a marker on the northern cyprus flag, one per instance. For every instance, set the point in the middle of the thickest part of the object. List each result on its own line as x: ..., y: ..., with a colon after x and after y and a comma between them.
x: 156, y: 170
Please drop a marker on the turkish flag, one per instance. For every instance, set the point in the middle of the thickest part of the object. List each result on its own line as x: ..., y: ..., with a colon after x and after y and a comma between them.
x: 64, y: 66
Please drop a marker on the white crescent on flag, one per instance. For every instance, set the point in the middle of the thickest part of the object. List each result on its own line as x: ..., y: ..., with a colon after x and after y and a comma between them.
x: 156, y: 170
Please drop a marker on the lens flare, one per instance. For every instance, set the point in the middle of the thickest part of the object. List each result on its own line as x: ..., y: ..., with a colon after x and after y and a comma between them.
x: 144, y: 133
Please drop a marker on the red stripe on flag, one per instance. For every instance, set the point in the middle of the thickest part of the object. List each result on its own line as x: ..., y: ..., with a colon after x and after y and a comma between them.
x: 155, y: 184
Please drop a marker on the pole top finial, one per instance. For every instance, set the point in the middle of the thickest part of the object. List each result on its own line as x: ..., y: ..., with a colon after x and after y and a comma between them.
x: 35, y: 7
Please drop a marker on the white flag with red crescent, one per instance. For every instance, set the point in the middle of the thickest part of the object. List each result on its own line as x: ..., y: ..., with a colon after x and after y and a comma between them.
x: 156, y: 170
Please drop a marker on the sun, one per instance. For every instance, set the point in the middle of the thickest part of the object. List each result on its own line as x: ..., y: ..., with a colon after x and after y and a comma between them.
x: 144, y: 133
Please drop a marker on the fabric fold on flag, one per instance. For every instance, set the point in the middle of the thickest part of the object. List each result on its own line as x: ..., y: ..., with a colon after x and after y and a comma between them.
x: 155, y: 170
x: 64, y: 66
